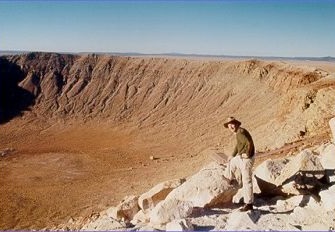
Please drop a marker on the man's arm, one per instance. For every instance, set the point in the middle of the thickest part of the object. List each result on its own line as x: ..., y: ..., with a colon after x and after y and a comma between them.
x: 247, y: 148
x: 234, y: 152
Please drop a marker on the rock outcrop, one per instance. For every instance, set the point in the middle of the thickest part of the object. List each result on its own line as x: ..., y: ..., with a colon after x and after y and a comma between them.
x: 332, y: 127
x: 290, y: 176
x: 157, y: 194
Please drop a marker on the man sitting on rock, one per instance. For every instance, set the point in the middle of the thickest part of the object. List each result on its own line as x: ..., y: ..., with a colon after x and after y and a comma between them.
x: 241, y: 161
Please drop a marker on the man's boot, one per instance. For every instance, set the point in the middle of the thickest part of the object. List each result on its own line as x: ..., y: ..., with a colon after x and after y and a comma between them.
x: 247, y: 207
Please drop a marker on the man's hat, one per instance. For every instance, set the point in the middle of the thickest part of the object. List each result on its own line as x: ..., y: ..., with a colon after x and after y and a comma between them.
x: 231, y: 120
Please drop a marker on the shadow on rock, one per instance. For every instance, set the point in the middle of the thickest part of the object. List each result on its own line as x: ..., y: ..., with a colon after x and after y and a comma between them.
x: 199, y: 212
x: 203, y: 228
x: 13, y: 98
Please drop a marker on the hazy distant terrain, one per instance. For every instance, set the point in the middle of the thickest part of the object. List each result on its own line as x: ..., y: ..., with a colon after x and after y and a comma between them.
x: 326, y: 58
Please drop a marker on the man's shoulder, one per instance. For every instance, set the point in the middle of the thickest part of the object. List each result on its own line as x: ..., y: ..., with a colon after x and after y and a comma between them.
x: 243, y: 131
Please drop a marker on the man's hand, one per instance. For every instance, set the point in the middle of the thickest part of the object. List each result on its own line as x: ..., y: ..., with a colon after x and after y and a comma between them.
x: 244, y: 156
x: 229, y: 158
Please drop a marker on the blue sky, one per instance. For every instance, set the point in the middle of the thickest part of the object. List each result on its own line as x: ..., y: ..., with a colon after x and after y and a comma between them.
x: 240, y: 27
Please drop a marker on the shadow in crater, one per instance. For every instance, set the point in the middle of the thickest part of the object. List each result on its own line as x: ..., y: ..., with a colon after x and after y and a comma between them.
x: 13, y: 98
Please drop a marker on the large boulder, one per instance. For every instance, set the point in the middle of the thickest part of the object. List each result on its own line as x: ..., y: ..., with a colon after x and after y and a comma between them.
x: 126, y: 210
x: 242, y: 220
x: 290, y: 177
x: 140, y: 217
x: 267, y: 173
x: 104, y: 223
x: 206, y: 188
x: 327, y: 159
x: 327, y: 156
x: 332, y: 128
x: 305, y: 163
x: 328, y: 199
x: 180, y: 225
x: 158, y: 193
x: 169, y: 210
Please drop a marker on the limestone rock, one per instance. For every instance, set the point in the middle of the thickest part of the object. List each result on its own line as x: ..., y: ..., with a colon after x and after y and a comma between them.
x: 332, y: 128
x: 266, y: 174
x: 158, y: 193
x: 327, y: 156
x: 169, y: 210
x: 146, y: 228
x: 104, y: 223
x: 328, y: 199
x: 293, y: 176
x: 180, y: 225
x: 206, y: 188
x: 304, y: 162
x: 285, y: 205
x: 243, y: 220
x: 316, y: 227
x: 126, y: 210
x: 270, y: 170
x: 327, y: 159
x: 140, y: 217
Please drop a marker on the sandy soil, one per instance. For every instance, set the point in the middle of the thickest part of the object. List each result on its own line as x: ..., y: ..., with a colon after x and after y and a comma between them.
x: 59, y: 173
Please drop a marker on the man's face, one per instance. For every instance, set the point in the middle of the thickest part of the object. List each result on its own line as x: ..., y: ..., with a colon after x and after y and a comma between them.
x: 232, y: 127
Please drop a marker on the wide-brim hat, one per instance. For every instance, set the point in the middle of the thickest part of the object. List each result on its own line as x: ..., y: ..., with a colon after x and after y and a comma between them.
x: 232, y: 120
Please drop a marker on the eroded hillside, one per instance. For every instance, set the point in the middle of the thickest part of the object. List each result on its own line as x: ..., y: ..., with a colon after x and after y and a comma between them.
x: 181, y: 97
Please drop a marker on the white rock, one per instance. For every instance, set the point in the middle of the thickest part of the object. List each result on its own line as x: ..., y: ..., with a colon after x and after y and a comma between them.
x: 332, y: 128
x: 140, y: 217
x: 180, y: 225
x: 126, y: 210
x: 266, y: 174
x: 104, y: 223
x: 208, y: 187
x: 319, y: 149
x: 327, y: 198
x: 289, y: 176
x: 327, y: 156
x: 169, y: 210
x: 243, y: 220
x: 305, y: 161
x: 145, y: 228
x: 307, y: 215
x: 285, y: 205
x: 315, y: 227
x: 290, y: 188
x: 270, y: 170
x: 327, y: 159
x: 158, y: 193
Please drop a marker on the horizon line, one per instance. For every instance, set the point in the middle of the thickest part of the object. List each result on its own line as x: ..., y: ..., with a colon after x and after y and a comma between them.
x: 165, y: 54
